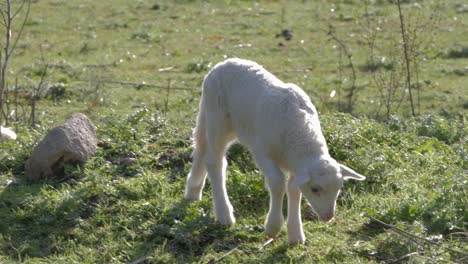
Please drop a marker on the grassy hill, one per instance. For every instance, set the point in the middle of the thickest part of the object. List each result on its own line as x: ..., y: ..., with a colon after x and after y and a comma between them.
x: 135, y: 68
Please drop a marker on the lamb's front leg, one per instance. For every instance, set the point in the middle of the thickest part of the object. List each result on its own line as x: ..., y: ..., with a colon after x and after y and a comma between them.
x: 276, y: 185
x: 294, y: 225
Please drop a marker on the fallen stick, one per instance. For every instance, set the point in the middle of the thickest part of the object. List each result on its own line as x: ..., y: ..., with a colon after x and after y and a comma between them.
x: 262, y: 247
x: 403, y: 232
x: 212, y: 261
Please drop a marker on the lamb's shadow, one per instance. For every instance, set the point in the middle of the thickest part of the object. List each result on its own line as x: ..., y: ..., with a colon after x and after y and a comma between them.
x: 279, y: 254
x: 389, y: 249
x: 186, y: 233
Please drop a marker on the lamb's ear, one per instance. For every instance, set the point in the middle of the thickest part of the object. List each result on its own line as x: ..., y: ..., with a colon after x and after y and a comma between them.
x: 301, y: 179
x: 351, y: 174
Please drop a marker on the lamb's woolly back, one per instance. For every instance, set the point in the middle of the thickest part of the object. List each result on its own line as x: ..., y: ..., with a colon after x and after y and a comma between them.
x: 241, y: 68
x: 7, y: 134
x: 262, y: 107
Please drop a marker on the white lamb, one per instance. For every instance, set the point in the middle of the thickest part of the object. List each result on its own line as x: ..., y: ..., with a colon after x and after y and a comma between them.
x: 277, y: 121
x: 7, y: 134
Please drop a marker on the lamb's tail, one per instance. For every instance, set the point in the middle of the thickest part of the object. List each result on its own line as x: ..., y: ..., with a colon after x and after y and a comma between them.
x: 199, y: 132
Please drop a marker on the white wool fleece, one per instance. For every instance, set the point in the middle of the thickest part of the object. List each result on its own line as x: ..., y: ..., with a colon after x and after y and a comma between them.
x: 264, y: 111
x: 280, y: 125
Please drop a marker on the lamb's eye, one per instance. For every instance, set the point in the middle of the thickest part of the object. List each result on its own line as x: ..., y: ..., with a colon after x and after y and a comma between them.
x: 315, y: 190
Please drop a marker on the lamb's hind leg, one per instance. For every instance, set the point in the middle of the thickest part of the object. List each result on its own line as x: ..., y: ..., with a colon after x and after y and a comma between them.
x: 197, y: 176
x: 219, y: 136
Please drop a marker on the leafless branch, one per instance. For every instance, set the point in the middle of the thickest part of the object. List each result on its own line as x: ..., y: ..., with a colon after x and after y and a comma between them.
x: 140, y: 259
x: 168, y: 91
x: 22, y: 26
x: 212, y: 261
x: 4, y: 18
x: 9, y: 45
x: 398, y: 260
x: 16, y: 103
x: 38, y: 89
x: 350, y: 96
x: 140, y: 85
x: 268, y: 242
x: 415, y: 237
x: 19, y: 9
x: 404, y: 37
x: 465, y: 234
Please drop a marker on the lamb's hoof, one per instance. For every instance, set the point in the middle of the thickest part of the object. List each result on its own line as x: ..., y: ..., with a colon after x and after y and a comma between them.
x: 273, y: 228
x: 272, y: 231
x: 226, y: 220
x: 192, y: 196
x: 297, y: 239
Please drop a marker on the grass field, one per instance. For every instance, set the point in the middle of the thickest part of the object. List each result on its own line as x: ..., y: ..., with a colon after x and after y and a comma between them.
x: 135, y: 68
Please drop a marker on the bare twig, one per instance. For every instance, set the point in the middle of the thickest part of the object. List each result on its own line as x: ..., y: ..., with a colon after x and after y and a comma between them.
x: 9, y: 45
x: 403, y: 232
x: 7, y: 106
x: 19, y: 9
x: 22, y: 26
x: 462, y: 260
x: 350, y: 96
x: 465, y: 234
x: 16, y: 103
x: 398, y: 260
x: 38, y: 89
x: 212, y: 261
x: 92, y: 65
x: 6, y: 53
x: 166, y: 105
x: 405, y: 39
x: 140, y: 85
x: 140, y: 260
x: 262, y: 247
x: 4, y: 18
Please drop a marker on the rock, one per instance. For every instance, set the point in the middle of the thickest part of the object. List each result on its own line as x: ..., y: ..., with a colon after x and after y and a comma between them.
x: 73, y: 141
x: 7, y: 134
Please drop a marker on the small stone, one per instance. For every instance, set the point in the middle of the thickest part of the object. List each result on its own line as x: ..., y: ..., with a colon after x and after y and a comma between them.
x: 7, y: 134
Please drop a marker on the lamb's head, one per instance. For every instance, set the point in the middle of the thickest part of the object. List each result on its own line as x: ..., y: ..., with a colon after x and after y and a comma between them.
x: 320, y: 181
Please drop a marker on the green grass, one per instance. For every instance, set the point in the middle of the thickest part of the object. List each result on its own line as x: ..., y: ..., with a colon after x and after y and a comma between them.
x: 111, y: 211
